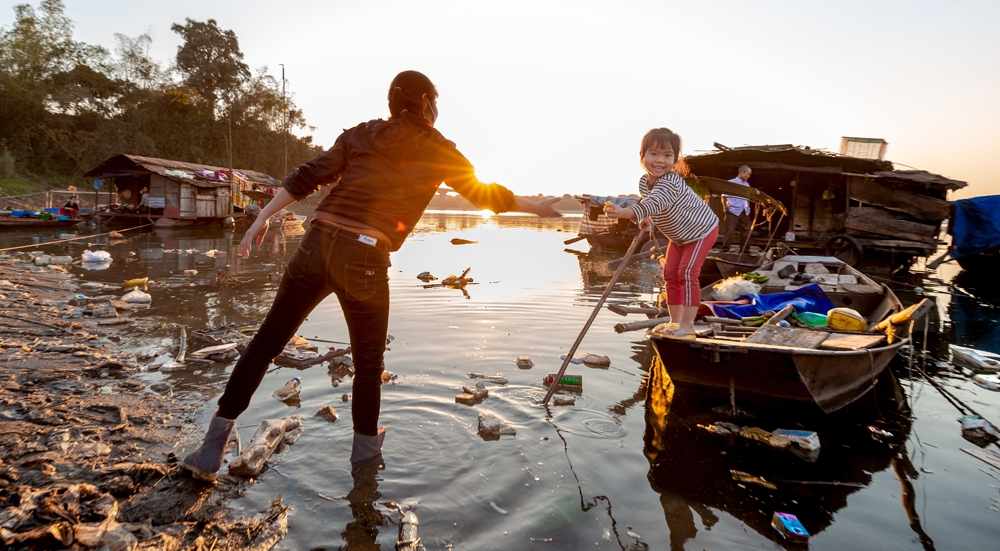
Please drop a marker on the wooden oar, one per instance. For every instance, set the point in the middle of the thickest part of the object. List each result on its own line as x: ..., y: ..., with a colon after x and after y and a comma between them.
x: 579, y: 339
x: 574, y: 240
x: 627, y: 260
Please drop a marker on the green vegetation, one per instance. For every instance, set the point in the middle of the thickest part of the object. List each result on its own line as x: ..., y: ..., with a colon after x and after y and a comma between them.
x: 66, y: 106
x: 14, y: 186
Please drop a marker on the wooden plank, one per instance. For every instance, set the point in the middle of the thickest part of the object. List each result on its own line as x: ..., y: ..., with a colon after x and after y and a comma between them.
x: 847, y: 341
x: 893, y: 197
x: 896, y: 244
x: 788, y: 336
x: 879, y: 221
x: 782, y: 314
x: 989, y: 456
x: 859, y: 288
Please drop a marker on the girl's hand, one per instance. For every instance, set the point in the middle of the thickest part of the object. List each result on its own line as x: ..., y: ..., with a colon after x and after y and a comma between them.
x: 645, y: 224
x: 614, y: 211
x: 257, y: 230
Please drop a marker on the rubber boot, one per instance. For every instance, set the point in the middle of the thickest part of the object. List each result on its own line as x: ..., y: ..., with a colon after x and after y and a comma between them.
x: 367, y: 450
x: 205, y: 461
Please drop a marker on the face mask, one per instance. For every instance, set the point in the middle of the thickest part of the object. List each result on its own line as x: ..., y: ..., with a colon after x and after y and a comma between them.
x: 433, y: 108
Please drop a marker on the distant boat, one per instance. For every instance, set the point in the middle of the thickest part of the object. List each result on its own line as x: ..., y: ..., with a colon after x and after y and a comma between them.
x: 14, y: 222
x: 288, y: 222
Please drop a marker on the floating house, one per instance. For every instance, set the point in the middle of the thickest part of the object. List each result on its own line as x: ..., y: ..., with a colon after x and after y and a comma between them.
x: 840, y: 204
x: 179, y: 193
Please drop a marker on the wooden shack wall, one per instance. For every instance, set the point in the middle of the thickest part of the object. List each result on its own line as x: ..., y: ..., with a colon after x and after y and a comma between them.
x: 222, y: 203
x: 188, y: 204
x: 205, y: 205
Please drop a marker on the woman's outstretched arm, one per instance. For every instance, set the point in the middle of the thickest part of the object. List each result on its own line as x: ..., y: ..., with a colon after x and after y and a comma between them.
x: 259, y: 227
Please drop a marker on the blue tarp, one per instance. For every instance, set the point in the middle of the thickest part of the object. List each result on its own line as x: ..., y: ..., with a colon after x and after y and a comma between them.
x: 976, y: 226
x: 808, y: 298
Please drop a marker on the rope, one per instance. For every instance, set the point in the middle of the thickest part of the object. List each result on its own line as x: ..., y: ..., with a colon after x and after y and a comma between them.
x: 70, y: 239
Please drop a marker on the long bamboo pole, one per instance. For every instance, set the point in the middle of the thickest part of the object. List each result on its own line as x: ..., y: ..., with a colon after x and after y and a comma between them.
x: 593, y: 315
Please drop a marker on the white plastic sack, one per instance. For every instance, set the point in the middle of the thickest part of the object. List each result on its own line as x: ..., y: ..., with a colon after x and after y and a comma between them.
x: 137, y: 297
x: 96, y: 256
x: 729, y: 289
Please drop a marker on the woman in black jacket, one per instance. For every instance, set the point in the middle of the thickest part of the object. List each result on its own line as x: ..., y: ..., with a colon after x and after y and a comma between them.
x: 386, y: 173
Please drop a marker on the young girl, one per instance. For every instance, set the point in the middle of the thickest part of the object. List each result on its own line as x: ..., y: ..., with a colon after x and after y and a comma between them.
x: 687, y: 221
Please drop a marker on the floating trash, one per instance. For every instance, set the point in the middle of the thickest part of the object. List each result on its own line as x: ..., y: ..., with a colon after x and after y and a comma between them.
x: 292, y: 389
x: 789, y: 527
x: 103, y: 257
x: 741, y: 476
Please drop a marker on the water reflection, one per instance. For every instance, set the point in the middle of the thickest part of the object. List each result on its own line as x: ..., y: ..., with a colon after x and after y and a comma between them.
x: 531, y: 299
x: 362, y: 532
x: 972, y: 311
x: 690, y: 467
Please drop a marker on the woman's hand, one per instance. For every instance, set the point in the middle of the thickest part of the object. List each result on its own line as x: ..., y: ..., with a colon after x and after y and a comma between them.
x: 257, y: 230
x: 614, y: 211
x: 542, y: 208
x: 645, y: 224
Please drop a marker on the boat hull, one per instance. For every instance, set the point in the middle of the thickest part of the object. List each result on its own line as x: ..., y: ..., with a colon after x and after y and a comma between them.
x: 19, y: 223
x: 829, y: 379
x: 982, y: 262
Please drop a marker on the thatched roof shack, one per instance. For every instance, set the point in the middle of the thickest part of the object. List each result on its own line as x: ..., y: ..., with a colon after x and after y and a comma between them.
x: 178, y: 190
x: 831, y: 195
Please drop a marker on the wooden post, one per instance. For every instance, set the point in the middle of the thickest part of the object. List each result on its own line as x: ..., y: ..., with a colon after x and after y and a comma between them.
x: 795, y: 196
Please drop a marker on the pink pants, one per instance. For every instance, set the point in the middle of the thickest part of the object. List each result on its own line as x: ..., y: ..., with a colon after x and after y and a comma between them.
x: 682, y: 268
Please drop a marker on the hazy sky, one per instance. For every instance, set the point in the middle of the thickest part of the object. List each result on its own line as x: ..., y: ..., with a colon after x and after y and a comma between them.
x: 553, y: 97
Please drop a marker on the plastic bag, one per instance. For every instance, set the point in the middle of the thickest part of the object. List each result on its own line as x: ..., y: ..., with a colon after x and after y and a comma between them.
x: 730, y: 288
x: 810, y: 319
x: 96, y: 256
x: 137, y: 297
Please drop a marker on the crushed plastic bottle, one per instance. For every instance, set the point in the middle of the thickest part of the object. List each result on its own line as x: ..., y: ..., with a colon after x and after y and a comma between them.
x: 565, y: 380
x: 292, y: 389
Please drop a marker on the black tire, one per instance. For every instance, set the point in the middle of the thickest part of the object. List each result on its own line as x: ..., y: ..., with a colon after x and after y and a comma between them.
x: 652, y: 244
x: 846, y: 247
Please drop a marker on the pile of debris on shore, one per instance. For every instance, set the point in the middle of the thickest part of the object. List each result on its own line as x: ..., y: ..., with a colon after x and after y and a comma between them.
x: 89, y: 454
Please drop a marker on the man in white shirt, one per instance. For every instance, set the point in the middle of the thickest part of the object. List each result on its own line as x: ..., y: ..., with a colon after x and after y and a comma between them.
x: 737, y: 210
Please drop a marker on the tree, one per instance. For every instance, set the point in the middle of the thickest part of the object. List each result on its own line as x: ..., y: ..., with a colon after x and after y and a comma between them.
x: 211, y: 60
x: 133, y: 63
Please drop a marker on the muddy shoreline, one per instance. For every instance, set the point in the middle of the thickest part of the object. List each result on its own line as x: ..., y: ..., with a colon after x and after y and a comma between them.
x: 89, y: 452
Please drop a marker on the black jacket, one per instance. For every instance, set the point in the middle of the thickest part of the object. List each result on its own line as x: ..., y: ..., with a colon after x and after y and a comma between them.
x: 389, y: 171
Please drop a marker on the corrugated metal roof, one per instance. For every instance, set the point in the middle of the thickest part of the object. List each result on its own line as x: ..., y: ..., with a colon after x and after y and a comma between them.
x: 922, y: 177
x: 803, y: 156
x: 134, y: 165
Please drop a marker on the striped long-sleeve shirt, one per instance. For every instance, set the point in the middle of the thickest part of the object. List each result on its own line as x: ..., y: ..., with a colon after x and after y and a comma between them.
x: 676, y: 210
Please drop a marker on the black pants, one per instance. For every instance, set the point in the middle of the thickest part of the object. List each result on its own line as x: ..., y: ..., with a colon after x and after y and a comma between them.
x: 732, y: 221
x: 326, y: 262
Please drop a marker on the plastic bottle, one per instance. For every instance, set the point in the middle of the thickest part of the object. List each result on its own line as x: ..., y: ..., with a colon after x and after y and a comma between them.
x: 291, y: 389
x: 568, y: 380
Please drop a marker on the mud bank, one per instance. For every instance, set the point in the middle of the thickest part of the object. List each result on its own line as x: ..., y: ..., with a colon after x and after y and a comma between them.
x: 89, y: 452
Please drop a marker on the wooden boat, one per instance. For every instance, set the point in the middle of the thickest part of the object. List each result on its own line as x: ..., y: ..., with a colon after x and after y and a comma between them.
x: 605, y: 234
x: 14, y: 222
x: 729, y: 264
x: 288, y: 222
x: 808, y: 365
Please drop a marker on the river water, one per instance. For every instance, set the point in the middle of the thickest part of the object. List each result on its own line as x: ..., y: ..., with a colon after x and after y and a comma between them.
x: 626, y: 467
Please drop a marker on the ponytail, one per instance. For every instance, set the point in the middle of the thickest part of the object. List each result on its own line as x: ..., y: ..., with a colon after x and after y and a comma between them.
x: 407, y: 90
